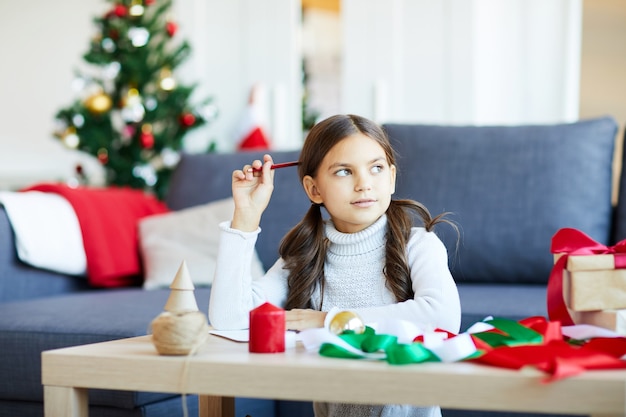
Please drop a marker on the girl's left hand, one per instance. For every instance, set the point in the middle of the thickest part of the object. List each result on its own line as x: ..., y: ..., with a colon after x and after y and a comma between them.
x: 300, y: 319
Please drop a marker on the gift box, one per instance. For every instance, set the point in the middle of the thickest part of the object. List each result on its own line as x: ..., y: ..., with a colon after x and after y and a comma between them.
x: 614, y: 320
x: 591, y: 282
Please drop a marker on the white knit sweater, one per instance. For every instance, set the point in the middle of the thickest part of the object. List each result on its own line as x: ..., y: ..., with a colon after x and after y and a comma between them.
x: 354, y: 280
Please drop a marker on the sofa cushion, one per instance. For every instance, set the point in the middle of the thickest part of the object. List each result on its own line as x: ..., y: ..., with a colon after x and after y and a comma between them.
x: 29, y: 327
x: 509, y: 188
x: 190, y: 235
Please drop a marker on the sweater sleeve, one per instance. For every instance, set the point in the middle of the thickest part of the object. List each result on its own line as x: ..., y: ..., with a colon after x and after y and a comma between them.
x: 234, y: 292
x: 436, y: 303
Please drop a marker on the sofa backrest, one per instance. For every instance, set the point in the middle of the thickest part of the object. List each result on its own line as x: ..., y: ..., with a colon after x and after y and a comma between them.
x: 509, y: 189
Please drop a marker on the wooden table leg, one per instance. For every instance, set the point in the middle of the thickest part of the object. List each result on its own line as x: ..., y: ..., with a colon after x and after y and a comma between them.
x: 65, y: 402
x: 212, y: 406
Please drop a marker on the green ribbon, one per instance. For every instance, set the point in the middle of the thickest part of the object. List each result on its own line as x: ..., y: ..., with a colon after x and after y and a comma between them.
x: 511, y: 333
x: 370, y: 342
x: 369, y: 345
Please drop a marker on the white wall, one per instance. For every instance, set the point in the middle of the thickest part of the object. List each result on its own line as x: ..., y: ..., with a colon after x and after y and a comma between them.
x: 41, y: 42
x: 446, y: 61
x: 462, y: 61
x: 238, y: 44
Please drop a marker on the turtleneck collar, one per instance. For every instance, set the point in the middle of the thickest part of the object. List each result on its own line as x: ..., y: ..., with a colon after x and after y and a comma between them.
x: 367, y: 240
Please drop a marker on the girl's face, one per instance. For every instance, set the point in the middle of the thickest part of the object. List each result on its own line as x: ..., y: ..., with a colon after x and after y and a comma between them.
x: 354, y: 182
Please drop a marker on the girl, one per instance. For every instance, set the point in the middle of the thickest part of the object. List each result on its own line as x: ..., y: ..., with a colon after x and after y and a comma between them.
x: 367, y: 257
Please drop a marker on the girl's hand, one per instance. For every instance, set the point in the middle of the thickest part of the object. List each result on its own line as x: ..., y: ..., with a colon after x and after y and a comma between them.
x: 251, y: 194
x: 300, y: 319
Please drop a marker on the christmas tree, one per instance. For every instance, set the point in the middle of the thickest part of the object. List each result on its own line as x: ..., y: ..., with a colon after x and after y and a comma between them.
x: 132, y: 113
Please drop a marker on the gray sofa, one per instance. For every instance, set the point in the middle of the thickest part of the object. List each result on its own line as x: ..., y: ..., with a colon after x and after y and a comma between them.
x: 508, y: 188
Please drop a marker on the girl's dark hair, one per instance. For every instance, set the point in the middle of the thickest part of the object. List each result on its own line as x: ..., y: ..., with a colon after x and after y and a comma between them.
x: 304, y: 247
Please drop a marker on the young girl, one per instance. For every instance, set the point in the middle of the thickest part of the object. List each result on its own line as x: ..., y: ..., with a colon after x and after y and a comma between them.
x: 367, y: 257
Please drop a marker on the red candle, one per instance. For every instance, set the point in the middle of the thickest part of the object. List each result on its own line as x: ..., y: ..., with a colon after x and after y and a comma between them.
x: 267, y: 329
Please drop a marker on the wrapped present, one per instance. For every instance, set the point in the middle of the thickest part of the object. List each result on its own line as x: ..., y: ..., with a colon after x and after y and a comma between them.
x: 614, y: 320
x: 586, y: 276
x: 591, y: 282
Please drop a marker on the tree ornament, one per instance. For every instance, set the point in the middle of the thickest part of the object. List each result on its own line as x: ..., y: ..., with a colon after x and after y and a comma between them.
x: 136, y: 8
x: 138, y: 36
x: 346, y: 321
x: 111, y: 70
x: 146, y: 137
x: 78, y: 120
x: 99, y: 103
x: 187, y: 119
x: 108, y: 45
x: 69, y: 137
x: 120, y: 10
x: 170, y: 157
x: 171, y: 28
x: 166, y: 79
x: 128, y: 131
x: 103, y: 156
x: 132, y: 108
x: 147, y: 173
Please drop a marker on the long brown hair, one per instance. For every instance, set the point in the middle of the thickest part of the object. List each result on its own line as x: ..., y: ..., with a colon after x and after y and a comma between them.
x: 304, y: 247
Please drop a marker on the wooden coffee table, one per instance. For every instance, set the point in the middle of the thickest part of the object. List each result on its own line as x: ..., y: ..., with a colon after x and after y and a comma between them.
x: 224, y: 369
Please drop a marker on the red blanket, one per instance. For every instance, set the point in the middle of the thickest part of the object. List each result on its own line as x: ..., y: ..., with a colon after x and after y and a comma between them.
x: 108, y: 219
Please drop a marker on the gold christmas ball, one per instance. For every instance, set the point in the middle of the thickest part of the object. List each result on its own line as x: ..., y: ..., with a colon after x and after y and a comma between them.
x: 346, y: 320
x: 99, y: 103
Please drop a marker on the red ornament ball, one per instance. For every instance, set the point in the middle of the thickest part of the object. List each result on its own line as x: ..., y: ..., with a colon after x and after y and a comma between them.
x: 120, y: 10
x: 171, y: 28
x: 103, y: 156
x: 146, y: 138
x: 187, y: 119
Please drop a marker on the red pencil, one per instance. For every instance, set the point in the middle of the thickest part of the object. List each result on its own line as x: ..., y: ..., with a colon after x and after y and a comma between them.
x: 276, y: 166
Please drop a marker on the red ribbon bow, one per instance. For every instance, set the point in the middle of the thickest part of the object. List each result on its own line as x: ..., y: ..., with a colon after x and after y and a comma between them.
x: 568, y: 241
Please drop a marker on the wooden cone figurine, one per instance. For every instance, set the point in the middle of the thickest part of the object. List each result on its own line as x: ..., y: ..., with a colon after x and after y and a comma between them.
x: 181, y: 328
x: 182, y: 298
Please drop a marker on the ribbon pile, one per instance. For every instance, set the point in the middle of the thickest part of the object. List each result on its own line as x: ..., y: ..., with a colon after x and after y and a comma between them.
x: 534, y: 342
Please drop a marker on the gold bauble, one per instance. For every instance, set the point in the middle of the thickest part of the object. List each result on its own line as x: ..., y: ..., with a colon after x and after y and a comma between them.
x: 99, y: 103
x: 346, y: 320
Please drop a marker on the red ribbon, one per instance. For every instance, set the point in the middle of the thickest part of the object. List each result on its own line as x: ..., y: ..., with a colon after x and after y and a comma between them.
x: 555, y: 356
x: 568, y: 241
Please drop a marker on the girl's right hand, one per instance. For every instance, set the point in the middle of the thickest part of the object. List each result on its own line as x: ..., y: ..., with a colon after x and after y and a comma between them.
x: 252, y: 191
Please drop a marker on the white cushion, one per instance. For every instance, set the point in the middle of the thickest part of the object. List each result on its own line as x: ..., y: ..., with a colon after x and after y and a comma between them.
x: 47, y: 232
x: 190, y: 235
